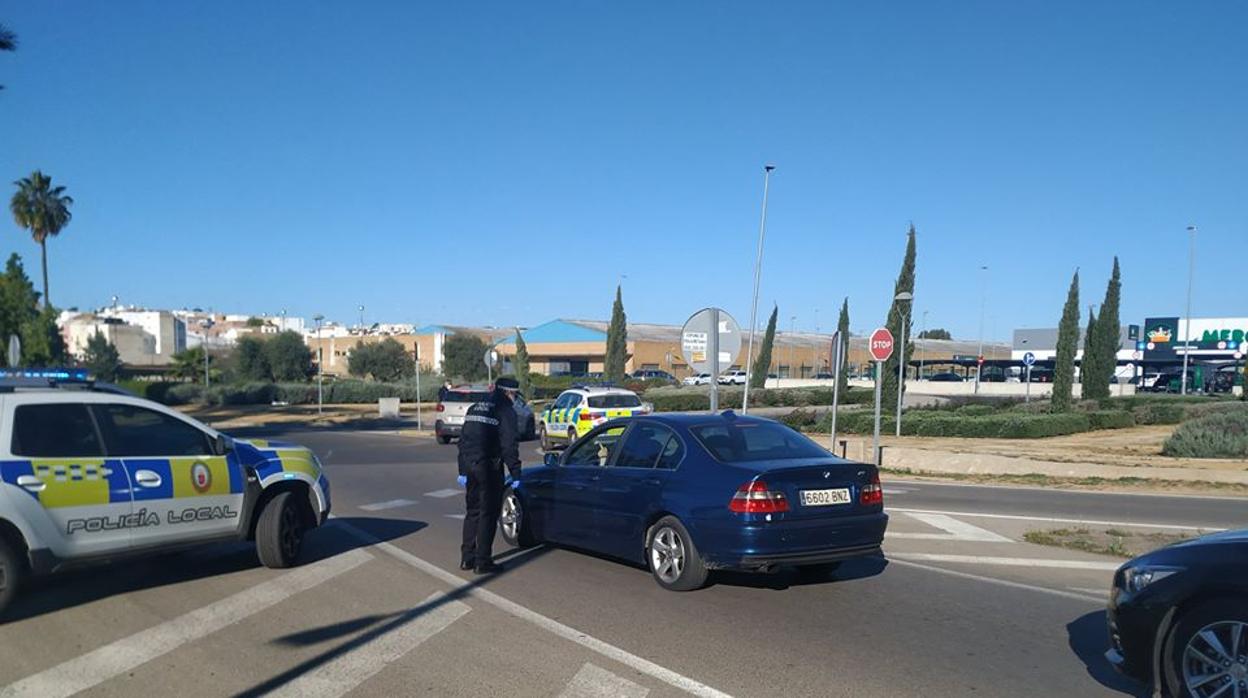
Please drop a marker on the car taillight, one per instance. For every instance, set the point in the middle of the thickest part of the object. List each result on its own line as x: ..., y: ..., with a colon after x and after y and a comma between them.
x: 872, y: 492
x: 587, y: 417
x: 441, y: 407
x: 754, y: 498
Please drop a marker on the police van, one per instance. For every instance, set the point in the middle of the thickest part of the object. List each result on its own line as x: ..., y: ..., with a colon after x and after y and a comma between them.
x: 90, y: 473
x: 578, y: 410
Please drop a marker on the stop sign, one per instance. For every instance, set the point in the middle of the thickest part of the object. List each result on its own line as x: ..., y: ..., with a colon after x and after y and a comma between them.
x: 881, y: 344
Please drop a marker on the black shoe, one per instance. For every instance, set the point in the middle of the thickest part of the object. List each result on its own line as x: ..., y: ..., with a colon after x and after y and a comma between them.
x: 487, y: 568
x: 466, y: 565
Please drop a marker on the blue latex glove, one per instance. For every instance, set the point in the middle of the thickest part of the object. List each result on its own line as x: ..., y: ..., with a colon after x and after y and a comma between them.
x: 462, y: 480
x: 512, y: 483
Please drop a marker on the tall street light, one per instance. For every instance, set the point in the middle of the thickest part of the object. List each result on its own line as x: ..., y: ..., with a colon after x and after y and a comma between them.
x: 983, y: 302
x: 758, y: 270
x: 320, y: 366
x: 1191, y: 272
x: 207, y: 325
x: 902, y: 298
x: 923, y: 351
x: 792, y: 343
x: 361, y: 316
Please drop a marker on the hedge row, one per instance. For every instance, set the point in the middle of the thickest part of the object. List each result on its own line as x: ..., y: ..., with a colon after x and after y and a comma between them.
x: 335, y: 392
x: 690, y: 400
x: 1002, y: 425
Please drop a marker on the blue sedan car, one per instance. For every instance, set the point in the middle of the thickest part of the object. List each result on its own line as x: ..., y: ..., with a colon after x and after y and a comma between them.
x: 688, y: 493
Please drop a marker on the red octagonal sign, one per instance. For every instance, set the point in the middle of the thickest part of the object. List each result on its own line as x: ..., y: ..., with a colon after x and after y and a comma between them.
x: 881, y: 344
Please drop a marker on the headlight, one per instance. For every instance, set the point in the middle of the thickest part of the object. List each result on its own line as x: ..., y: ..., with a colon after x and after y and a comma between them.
x: 1136, y: 578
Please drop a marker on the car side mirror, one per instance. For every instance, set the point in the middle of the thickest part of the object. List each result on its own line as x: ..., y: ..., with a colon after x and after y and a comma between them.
x: 551, y: 459
x: 222, y: 445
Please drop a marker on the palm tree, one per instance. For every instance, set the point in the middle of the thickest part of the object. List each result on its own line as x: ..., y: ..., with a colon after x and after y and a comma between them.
x: 43, y: 210
x: 8, y: 41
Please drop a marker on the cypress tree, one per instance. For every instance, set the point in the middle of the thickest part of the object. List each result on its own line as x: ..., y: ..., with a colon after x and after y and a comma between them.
x: 842, y: 327
x: 762, y: 362
x: 617, y: 341
x: 1067, y: 344
x: 521, y: 365
x: 904, y: 284
x: 1108, y: 338
x: 1089, y: 365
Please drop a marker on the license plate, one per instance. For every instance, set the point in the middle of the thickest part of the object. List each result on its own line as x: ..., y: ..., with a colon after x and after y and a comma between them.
x: 454, y: 420
x: 824, y: 498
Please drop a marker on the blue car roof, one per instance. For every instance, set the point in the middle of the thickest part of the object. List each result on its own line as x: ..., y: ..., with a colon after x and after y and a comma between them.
x: 689, y: 419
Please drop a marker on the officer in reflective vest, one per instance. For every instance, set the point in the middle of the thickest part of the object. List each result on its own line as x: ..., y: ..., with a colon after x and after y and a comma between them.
x: 489, y: 441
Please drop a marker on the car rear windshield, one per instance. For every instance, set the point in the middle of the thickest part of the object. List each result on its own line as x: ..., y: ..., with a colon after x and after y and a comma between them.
x: 613, y: 401
x: 457, y: 396
x: 748, y: 442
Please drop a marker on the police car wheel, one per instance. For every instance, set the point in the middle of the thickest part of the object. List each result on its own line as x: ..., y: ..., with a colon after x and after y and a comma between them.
x: 444, y: 440
x: 571, y: 436
x: 10, y: 574
x: 279, y: 533
x: 544, y: 438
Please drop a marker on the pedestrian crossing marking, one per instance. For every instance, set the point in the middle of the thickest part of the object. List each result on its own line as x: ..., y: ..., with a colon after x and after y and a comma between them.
x: 595, y: 682
x: 443, y: 494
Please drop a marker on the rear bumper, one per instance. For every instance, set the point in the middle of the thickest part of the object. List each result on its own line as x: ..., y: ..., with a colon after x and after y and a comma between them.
x: 443, y: 429
x: 740, y: 545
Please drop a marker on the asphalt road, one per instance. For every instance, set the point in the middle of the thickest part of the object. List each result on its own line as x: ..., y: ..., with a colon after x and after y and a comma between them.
x: 959, y: 608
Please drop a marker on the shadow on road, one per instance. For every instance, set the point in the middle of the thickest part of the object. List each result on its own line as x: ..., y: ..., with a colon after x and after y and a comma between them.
x: 377, y: 625
x: 86, y: 585
x: 786, y: 577
x: 1088, y: 640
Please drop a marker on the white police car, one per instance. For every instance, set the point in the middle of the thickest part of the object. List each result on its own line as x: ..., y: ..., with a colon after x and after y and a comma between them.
x: 89, y: 474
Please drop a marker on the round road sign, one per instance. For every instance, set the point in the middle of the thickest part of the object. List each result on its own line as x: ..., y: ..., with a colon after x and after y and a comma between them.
x: 695, y: 340
x: 881, y: 344
x: 491, y: 358
x: 1029, y: 359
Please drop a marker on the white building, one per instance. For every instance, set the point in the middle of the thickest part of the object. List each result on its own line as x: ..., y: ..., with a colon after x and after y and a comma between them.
x: 142, y: 337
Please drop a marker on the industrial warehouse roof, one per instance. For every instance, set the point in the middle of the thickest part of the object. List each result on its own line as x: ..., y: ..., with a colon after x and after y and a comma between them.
x: 562, y: 331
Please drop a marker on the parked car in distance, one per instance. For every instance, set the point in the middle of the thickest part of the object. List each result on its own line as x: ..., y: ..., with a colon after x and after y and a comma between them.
x: 824, y: 377
x: 652, y: 374
x: 947, y: 377
x: 687, y: 494
x: 1178, y: 616
x: 700, y: 379
x: 449, y: 422
x: 1040, y: 375
x: 733, y: 377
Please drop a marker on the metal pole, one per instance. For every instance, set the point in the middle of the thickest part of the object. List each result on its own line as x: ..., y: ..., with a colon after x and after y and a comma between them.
x: 758, y: 270
x: 983, y: 301
x: 792, y: 348
x: 1027, y: 395
x: 875, y: 443
x: 901, y: 370
x: 837, y: 359
x: 416, y: 354
x: 713, y: 347
x: 320, y: 366
x: 206, y: 377
x: 1191, y: 272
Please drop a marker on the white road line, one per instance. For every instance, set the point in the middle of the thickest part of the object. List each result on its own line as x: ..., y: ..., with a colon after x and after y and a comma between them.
x: 954, y: 530
x: 1063, y: 490
x: 443, y: 494
x: 121, y: 656
x: 895, y: 490
x: 1007, y: 561
x: 348, y: 671
x: 461, y: 517
x: 390, y: 504
x: 1001, y: 582
x: 1086, y: 522
x: 1095, y: 592
x: 571, y: 634
x: 595, y: 682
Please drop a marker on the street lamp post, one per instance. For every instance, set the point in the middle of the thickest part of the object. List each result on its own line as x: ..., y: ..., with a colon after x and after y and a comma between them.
x: 1187, y: 330
x: 207, y: 325
x: 903, y: 297
x: 758, y: 270
x: 792, y: 345
x: 983, y: 302
x: 361, y: 316
x: 283, y: 319
x: 320, y: 366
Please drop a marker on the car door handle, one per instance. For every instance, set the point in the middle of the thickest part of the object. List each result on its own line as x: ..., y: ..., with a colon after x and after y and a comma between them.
x: 146, y: 478
x: 31, y: 483
x: 652, y: 481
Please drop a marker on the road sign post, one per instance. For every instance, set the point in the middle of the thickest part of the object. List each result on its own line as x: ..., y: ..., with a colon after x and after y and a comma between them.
x: 416, y: 357
x: 491, y: 358
x: 709, y: 342
x: 837, y: 359
x: 1029, y: 360
x: 881, y: 347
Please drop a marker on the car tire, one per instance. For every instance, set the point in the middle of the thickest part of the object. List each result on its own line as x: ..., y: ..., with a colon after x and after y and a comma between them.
x: 279, y: 533
x: 543, y: 437
x: 530, y: 431
x: 571, y: 437
x: 444, y: 440
x: 513, y: 525
x: 11, y: 573
x: 1218, y: 616
x: 673, y: 559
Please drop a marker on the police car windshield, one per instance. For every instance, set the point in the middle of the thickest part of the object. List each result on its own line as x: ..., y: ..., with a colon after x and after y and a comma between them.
x: 610, y: 401
x: 460, y: 396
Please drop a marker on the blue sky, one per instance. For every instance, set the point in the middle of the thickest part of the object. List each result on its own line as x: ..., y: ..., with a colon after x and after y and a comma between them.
x: 508, y: 163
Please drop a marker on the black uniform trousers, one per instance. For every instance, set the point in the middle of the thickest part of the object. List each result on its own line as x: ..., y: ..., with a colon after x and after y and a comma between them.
x: 484, y: 503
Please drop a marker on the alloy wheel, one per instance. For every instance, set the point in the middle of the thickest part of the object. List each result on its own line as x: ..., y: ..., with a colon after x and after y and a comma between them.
x: 291, y: 534
x: 1215, y: 661
x: 667, y: 555
x: 510, y: 517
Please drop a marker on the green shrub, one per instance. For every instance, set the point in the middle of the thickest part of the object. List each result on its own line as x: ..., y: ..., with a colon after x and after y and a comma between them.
x: 690, y: 399
x: 1158, y: 413
x: 182, y: 394
x: 1218, y: 435
x: 977, y: 410
x: 1001, y: 425
x: 1110, y: 419
x: 800, y: 419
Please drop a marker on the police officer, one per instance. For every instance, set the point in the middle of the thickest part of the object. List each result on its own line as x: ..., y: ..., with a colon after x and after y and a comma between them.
x: 489, y: 441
